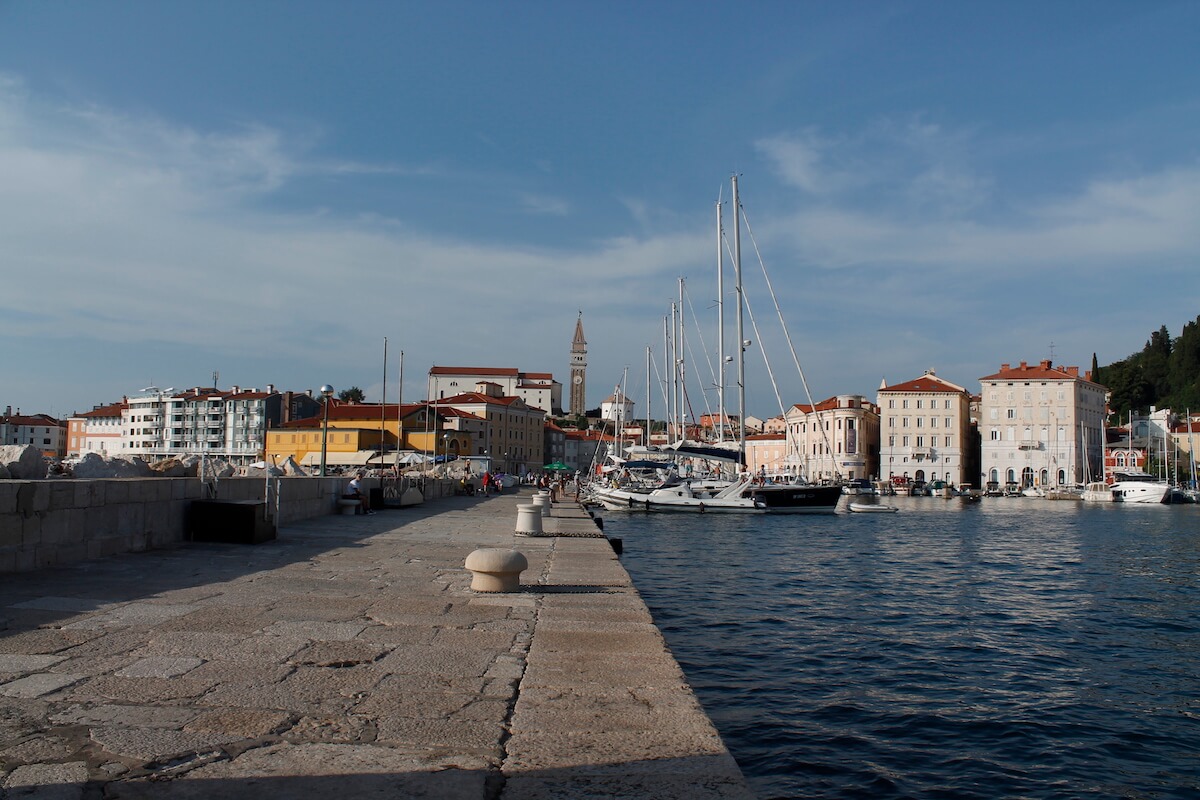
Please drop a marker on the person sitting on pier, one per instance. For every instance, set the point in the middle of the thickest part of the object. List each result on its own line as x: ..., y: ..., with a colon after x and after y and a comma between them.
x: 355, y: 492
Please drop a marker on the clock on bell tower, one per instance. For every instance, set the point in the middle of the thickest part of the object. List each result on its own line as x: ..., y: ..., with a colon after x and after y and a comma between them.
x: 578, y: 404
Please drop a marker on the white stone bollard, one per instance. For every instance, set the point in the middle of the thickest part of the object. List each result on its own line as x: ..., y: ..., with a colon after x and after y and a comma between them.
x: 496, y: 570
x: 529, y: 520
x: 542, y: 501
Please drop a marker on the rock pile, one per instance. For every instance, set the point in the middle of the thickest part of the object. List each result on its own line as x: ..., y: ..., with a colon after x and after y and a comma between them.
x: 22, y: 462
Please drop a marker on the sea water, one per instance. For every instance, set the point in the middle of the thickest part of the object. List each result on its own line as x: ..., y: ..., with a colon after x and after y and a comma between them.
x: 1013, y: 647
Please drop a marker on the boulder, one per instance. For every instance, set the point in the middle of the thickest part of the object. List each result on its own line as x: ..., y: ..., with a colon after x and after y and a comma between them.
x: 173, y: 468
x: 94, y: 465
x: 23, y: 462
x: 290, y: 467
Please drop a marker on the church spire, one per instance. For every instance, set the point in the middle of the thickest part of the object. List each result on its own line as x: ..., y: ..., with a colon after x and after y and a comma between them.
x: 578, y: 404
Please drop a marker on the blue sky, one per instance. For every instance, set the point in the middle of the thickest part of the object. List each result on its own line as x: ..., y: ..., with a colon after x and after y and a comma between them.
x: 269, y: 189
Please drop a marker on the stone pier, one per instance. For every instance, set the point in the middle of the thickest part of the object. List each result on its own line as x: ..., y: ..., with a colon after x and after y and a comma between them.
x: 349, y: 658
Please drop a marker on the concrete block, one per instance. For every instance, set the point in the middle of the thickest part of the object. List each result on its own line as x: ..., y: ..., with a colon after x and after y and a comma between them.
x: 8, y: 497
x: 131, y: 517
x: 89, y: 494
x: 116, y: 490
x: 101, y: 522
x: 12, y: 530
x: 54, y: 528
x: 156, y: 516
x: 76, y: 522
x: 139, y: 541
x: 31, y: 530
x: 62, y: 494
x: 8, y: 559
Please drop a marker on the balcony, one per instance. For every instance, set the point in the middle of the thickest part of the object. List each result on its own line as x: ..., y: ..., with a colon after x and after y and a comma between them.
x: 920, y: 453
x: 1029, y: 444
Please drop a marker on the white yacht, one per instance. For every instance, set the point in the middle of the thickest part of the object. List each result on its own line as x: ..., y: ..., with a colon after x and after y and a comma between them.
x: 1138, y: 487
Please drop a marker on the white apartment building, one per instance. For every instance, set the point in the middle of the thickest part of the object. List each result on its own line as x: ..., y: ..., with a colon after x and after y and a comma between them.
x: 230, y: 424
x: 536, y: 389
x: 42, y: 431
x: 924, y: 430
x: 835, y: 438
x: 1041, y: 425
x: 96, y: 431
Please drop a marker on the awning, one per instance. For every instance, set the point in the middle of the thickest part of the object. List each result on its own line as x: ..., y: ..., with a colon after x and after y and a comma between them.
x: 358, y: 458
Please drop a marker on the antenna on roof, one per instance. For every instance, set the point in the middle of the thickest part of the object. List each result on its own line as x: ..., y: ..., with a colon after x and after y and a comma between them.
x: 1052, y: 352
x: 216, y: 377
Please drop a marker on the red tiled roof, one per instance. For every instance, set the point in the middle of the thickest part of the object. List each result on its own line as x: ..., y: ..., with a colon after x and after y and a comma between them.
x: 111, y: 410
x: 926, y: 384
x: 35, y: 420
x: 1042, y: 371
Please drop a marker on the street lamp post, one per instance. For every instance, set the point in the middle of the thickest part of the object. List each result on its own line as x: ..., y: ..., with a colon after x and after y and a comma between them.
x: 327, y: 393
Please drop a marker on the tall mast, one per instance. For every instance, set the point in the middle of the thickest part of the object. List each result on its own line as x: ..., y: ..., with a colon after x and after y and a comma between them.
x: 666, y: 377
x: 1191, y: 448
x: 646, y: 443
x: 681, y: 396
x: 741, y: 341
x: 383, y: 405
x: 400, y: 413
x: 720, y: 332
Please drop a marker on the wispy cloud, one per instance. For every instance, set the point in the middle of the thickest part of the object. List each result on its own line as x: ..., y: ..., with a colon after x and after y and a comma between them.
x: 542, y: 204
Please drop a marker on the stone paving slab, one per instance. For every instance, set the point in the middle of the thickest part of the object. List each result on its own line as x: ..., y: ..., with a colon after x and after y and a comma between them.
x: 349, y: 658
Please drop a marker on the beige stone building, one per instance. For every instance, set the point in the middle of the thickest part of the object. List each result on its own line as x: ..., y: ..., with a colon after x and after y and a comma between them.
x: 836, y: 438
x: 1041, y: 425
x: 924, y: 431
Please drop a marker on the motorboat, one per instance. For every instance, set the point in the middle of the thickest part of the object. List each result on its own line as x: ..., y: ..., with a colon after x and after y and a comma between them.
x: 1139, y: 487
x: 873, y: 508
x: 797, y: 498
x: 681, y: 496
x: 1097, y: 492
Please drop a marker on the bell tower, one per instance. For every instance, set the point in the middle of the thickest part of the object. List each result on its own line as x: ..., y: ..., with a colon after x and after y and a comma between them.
x: 578, y: 404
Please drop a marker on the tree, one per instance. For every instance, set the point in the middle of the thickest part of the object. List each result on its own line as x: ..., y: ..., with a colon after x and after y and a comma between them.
x: 352, y: 395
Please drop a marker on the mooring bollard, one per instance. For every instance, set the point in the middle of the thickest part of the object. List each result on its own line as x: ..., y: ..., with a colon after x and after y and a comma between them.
x: 496, y: 570
x: 542, y: 501
x: 529, y: 520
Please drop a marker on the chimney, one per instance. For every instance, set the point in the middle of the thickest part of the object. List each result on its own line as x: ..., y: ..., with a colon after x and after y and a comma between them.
x: 1044, y: 364
x: 270, y: 388
x: 308, y: 392
x: 234, y: 389
x: 1023, y: 366
x: 1073, y: 371
x: 1005, y: 367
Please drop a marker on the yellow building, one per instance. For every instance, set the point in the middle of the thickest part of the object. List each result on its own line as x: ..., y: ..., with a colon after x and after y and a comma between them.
x: 357, y: 429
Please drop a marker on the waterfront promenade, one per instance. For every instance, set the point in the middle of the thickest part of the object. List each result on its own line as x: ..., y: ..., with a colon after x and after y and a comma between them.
x: 349, y: 658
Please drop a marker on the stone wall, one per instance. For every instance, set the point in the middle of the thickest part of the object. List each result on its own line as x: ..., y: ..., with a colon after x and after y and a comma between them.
x: 53, y: 522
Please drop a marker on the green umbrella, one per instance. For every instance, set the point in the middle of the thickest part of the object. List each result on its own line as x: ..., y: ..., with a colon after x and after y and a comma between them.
x: 557, y: 465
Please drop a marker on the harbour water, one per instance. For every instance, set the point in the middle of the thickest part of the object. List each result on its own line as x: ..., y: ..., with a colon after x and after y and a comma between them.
x: 1006, y: 648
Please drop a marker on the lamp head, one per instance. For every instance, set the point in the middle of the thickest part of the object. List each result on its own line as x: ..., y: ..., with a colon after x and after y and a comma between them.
x: 327, y: 390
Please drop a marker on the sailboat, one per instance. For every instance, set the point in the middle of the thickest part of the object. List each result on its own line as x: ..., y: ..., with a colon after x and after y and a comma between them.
x: 745, y: 494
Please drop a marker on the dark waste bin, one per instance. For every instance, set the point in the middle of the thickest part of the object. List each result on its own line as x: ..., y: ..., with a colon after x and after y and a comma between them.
x: 375, y: 498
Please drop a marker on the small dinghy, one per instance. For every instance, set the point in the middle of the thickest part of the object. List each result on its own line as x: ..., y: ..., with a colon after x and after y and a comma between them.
x: 872, y: 508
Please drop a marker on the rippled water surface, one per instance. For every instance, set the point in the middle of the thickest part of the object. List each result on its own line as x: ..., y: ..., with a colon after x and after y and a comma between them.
x: 1010, y: 648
